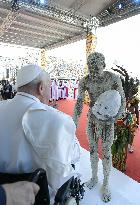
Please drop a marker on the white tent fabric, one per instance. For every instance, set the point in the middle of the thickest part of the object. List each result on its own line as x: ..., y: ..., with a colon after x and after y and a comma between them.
x: 85, y: 8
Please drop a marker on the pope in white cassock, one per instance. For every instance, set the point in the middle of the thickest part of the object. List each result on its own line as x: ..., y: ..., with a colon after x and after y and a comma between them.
x: 33, y: 134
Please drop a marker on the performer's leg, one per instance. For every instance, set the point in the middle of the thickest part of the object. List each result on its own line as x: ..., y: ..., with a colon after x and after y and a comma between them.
x: 108, y: 136
x: 93, y: 143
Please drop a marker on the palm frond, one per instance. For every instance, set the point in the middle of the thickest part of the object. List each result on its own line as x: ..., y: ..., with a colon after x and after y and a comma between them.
x: 117, y: 70
x: 124, y: 70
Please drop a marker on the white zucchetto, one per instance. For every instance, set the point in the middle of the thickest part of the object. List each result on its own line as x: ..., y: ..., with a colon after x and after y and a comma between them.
x: 27, y: 74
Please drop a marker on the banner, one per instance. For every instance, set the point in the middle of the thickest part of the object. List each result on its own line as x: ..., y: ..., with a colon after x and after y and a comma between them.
x: 43, y: 58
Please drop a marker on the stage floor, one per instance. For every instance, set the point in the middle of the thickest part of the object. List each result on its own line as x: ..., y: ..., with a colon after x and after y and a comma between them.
x: 125, y: 191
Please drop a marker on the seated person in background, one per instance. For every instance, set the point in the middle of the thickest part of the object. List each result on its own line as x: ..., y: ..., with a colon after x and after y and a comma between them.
x: 34, y: 135
x: 19, y: 193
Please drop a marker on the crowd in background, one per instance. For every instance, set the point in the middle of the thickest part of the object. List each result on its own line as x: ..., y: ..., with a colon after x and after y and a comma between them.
x: 60, y: 89
x: 7, y: 89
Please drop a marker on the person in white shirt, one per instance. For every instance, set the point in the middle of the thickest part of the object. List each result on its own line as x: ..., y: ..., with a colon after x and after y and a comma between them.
x: 66, y: 89
x: 54, y: 90
x: 61, y: 90
x: 75, y: 86
x: 34, y: 135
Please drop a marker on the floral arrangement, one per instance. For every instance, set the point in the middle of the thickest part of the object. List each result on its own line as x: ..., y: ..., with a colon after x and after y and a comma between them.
x: 122, y: 138
x: 125, y: 128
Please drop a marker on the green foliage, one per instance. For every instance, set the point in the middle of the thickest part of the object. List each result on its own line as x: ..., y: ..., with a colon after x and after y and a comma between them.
x: 123, y: 133
x: 122, y: 138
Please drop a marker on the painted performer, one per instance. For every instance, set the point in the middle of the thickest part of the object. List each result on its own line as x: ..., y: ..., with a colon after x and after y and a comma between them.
x: 107, y: 104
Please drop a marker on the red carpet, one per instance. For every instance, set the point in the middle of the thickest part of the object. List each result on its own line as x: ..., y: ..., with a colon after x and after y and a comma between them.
x: 133, y: 160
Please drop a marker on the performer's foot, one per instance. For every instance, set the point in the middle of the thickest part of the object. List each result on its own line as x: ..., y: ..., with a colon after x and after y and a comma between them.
x: 106, y: 194
x: 130, y: 149
x: 91, y: 183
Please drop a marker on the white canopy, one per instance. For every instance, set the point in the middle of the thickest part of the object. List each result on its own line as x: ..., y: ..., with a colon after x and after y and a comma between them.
x: 52, y: 23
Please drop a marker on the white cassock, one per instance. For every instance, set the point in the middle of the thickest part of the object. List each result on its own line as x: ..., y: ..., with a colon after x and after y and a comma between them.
x: 34, y: 135
x: 66, y: 89
x: 75, y: 94
x: 61, y: 91
x: 54, y: 91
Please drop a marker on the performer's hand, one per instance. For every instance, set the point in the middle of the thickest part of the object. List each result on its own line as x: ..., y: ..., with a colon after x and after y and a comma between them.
x: 76, y: 124
x: 21, y: 193
x: 110, y: 118
x: 75, y: 119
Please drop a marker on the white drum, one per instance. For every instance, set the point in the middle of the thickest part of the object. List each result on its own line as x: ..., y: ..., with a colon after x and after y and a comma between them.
x: 107, y: 105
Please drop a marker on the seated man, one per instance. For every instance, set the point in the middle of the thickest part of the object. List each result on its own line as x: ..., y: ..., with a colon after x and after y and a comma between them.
x: 34, y: 135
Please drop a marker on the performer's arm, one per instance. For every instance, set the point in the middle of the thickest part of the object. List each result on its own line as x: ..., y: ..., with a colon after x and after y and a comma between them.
x: 79, y: 104
x: 118, y: 86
